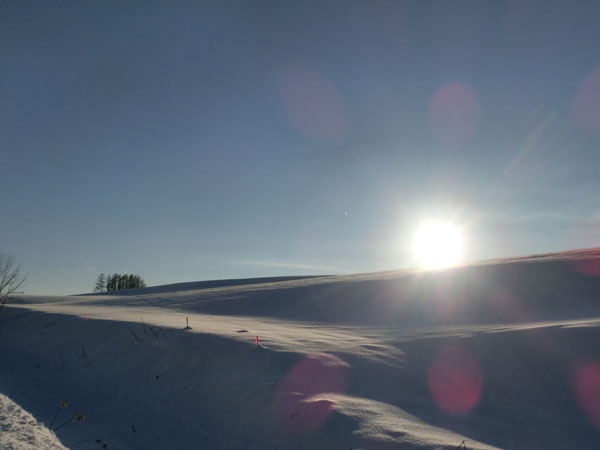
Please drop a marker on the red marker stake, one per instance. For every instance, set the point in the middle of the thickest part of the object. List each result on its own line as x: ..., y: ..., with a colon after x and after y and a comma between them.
x: 256, y: 340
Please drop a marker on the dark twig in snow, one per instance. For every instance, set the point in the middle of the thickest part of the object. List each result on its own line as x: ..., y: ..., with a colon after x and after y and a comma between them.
x: 134, y: 335
x: 78, y: 417
x: 61, y: 405
x: 97, y: 441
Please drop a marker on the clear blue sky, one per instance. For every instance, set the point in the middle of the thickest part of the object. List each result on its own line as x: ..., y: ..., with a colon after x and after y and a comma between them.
x: 194, y: 140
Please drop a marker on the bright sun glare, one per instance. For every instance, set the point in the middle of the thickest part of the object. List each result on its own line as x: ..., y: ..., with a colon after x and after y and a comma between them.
x: 437, y: 245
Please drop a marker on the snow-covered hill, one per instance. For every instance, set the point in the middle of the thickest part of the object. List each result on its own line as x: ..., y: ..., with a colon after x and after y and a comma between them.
x: 500, y: 354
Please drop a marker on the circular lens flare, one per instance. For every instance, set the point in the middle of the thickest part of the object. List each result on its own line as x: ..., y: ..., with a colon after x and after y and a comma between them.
x: 455, y: 380
x: 454, y: 114
x: 437, y: 245
x: 587, y: 388
x: 294, y: 410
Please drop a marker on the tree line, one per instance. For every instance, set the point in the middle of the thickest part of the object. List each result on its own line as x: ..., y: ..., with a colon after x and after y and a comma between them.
x: 118, y: 282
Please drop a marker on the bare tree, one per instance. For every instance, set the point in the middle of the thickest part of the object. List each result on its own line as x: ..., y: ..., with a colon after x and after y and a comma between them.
x: 11, y: 279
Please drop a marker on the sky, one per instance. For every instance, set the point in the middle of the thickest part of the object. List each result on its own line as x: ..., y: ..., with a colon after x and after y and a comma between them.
x: 186, y: 141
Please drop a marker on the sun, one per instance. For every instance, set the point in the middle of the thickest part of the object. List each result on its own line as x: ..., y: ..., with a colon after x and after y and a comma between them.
x: 438, y: 244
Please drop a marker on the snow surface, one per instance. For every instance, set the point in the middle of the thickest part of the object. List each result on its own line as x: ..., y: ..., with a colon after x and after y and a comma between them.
x: 500, y: 354
x: 20, y: 431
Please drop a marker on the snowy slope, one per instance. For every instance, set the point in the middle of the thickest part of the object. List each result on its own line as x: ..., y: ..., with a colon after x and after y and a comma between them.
x: 500, y: 354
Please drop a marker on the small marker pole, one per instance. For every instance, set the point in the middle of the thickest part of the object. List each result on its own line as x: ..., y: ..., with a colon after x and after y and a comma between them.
x: 187, y: 321
x: 256, y: 340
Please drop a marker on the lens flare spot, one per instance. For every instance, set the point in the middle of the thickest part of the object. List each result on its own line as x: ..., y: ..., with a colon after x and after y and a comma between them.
x: 507, y: 305
x: 293, y: 410
x: 585, y: 105
x: 587, y: 389
x: 455, y: 380
x: 590, y: 266
x: 311, y: 103
x: 454, y: 114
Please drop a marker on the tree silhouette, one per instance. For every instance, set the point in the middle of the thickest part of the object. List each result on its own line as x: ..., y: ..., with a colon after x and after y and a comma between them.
x: 118, y: 282
x: 100, y: 283
x: 11, y: 279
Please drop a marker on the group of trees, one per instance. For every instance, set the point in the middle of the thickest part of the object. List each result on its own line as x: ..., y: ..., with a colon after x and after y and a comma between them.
x: 118, y: 282
x: 11, y: 279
